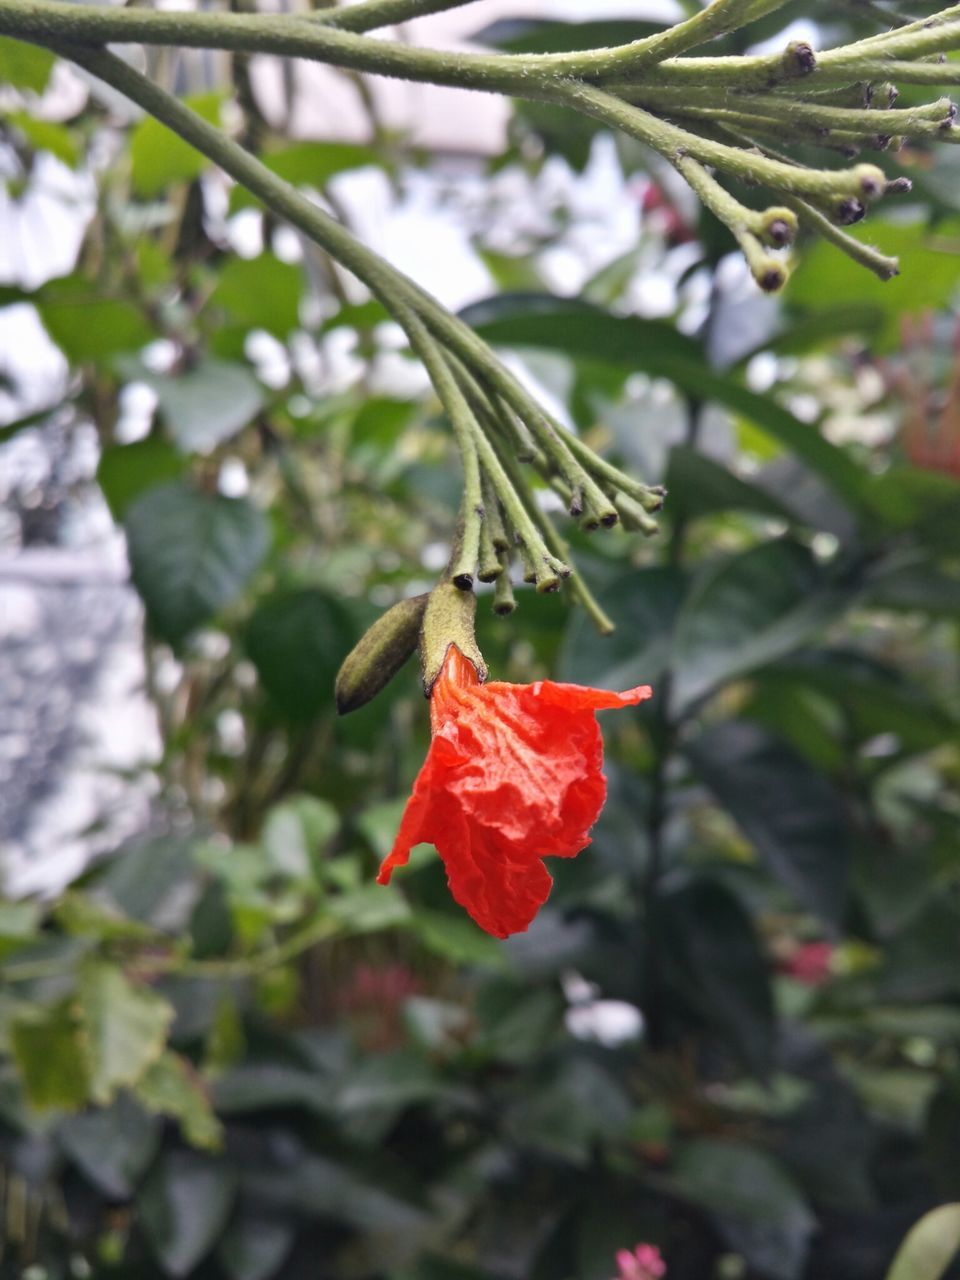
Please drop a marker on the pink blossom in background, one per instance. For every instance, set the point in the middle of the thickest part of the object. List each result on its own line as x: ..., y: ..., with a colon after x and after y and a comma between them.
x: 641, y: 1263
x: 810, y: 963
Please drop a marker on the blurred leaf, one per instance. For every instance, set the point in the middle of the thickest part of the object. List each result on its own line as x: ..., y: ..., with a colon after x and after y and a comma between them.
x: 308, y: 164
x: 125, y: 471
x: 25, y: 66
x: 112, y: 1145
x: 86, y: 916
x: 756, y: 1204
x: 254, y: 1245
x: 942, y: 1131
x: 714, y: 964
x: 572, y: 1109
x: 19, y: 923
x: 125, y: 1025
x: 915, y: 584
x: 791, y: 814
x: 159, y: 157
x: 699, y: 486
x: 643, y: 604
x: 261, y: 293
x: 925, y: 279
x: 930, y: 1246
x: 297, y: 640
x: 204, y: 406
x: 653, y: 347
x: 457, y: 939
x: 534, y: 35
x: 577, y: 329
x: 747, y: 610
x: 191, y: 553
x: 184, y: 1207
x: 87, y: 326
x: 45, y: 135
x: 153, y: 880
x: 50, y: 1049
x: 295, y: 835
x: 809, y: 329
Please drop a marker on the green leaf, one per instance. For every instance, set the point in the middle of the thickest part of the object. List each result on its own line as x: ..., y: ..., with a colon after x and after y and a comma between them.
x: 458, y: 939
x: 87, y: 326
x: 191, y: 553
x: 184, y: 1207
x: 254, y: 1245
x: 925, y: 281
x: 159, y: 157
x: 125, y: 471
x: 534, y: 35
x: 308, y: 164
x: 297, y: 640
x: 261, y: 293
x: 579, y: 330
x: 49, y: 1047
x: 750, y: 609
x: 126, y: 1028
x: 204, y: 406
x: 643, y: 604
x: 19, y: 923
x: 715, y: 967
x: 45, y: 135
x: 790, y: 813
x: 112, y: 1146
x: 699, y: 486
x: 930, y: 1246
x: 171, y: 1087
x: 731, y: 1177
x: 295, y: 835
x: 83, y: 915
x: 25, y: 66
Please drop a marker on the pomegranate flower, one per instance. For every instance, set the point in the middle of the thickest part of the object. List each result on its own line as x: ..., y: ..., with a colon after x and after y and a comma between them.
x: 642, y: 1263
x: 513, y: 775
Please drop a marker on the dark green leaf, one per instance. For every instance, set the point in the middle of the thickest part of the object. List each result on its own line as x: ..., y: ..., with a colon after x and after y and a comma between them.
x: 643, y: 604
x: 112, y: 1145
x: 790, y: 813
x: 184, y: 1206
x: 126, y: 471
x: 297, y: 640
x: 715, y: 967
x: 533, y: 35
x: 191, y: 553
x: 254, y: 1245
x: 750, y: 609
x: 171, y: 1087
x: 699, y: 486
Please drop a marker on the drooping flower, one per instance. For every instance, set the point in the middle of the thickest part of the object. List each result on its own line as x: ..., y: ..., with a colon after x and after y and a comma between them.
x: 810, y: 963
x: 642, y: 1263
x: 513, y: 775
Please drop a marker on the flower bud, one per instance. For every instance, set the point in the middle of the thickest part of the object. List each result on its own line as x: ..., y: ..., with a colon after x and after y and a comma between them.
x: 379, y: 654
x: 448, y: 619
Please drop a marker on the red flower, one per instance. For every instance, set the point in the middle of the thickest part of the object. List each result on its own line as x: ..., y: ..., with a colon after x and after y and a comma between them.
x: 811, y: 963
x: 513, y: 775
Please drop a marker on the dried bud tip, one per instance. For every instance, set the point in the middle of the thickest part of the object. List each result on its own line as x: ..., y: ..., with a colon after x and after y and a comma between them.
x: 463, y: 581
x: 899, y: 187
x: 871, y: 181
x: 799, y: 58
x: 848, y: 211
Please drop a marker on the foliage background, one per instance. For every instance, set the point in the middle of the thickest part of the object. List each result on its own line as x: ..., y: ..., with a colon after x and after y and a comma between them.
x: 225, y: 1052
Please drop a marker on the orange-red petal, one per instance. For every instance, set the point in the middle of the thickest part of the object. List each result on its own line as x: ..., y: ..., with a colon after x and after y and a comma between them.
x: 513, y: 775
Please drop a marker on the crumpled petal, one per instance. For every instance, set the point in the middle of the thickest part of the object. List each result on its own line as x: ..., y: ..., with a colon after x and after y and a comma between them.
x: 513, y: 775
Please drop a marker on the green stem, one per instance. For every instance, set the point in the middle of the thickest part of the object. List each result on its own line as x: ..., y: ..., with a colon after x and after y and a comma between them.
x: 864, y: 182
x: 879, y: 263
x: 718, y: 18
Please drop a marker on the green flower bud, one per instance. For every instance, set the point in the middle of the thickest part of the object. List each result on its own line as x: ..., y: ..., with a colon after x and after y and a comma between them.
x: 379, y: 654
